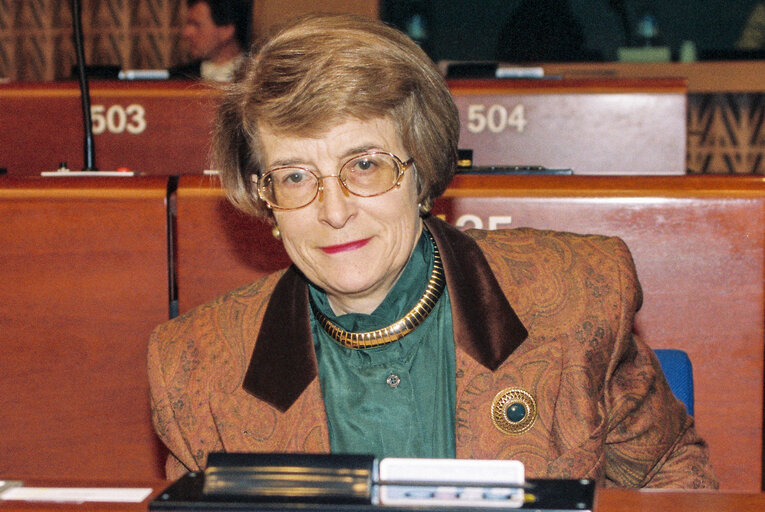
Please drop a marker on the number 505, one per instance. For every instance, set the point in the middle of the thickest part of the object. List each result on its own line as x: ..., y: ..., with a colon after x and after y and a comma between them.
x: 495, y: 118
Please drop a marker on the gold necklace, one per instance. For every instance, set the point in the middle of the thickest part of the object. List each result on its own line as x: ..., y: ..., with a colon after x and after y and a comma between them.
x: 396, y: 330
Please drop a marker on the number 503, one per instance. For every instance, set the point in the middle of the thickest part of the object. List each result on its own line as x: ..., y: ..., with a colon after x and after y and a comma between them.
x: 118, y: 119
x: 495, y: 118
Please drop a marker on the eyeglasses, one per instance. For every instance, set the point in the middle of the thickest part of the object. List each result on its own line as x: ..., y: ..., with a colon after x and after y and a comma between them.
x: 366, y: 175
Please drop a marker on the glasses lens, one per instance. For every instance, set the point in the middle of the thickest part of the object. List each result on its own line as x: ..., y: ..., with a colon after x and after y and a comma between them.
x: 370, y: 174
x: 288, y: 187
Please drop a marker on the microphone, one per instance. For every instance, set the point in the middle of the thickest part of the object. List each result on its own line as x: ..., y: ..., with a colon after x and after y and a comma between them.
x: 89, y: 148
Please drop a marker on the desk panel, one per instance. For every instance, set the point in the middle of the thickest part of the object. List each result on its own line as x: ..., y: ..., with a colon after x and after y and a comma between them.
x: 605, y: 126
x: 590, y: 126
x: 726, y: 107
x: 698, y: 244
x: 148, y: 127
x: 84, y: 280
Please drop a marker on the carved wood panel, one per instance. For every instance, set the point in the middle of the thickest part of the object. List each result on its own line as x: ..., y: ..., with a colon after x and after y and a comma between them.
x: 36, y: 36
x: 726, y: 133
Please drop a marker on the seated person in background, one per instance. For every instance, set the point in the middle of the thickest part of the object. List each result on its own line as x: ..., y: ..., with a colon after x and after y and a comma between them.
x: 753, y: 34
x: 217, y: 33
x: 393, y: 333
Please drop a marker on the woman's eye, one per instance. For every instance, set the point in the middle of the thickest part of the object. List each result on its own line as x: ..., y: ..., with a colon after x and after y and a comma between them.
x: 293, y: 177
x: 365, y: 165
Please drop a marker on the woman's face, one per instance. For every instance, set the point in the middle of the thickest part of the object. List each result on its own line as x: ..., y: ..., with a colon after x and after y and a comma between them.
x: 353, y: 247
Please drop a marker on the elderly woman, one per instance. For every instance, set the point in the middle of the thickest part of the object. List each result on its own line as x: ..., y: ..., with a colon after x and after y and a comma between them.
x: 393, y: 333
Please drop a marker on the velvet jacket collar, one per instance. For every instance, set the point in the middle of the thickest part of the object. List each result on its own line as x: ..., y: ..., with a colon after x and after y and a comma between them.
x: 283, y: 362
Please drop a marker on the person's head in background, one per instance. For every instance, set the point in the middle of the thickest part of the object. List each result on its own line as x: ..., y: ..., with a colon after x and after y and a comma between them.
x: 217, y: 31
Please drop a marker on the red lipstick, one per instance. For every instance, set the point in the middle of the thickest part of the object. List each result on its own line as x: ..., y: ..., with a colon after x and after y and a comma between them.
x: 350, y: 246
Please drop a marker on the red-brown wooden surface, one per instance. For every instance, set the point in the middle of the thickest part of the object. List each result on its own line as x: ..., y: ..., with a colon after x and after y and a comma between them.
x: 84, y: 280
x: 218, y: 247
x: 606, y: 500
x: 699, y: 249
x: 42, y: 126
x: 603, y: 126
x: 623, y: 500
x: 619, y: 126
x: 735, y: 76
x: 698, y: 243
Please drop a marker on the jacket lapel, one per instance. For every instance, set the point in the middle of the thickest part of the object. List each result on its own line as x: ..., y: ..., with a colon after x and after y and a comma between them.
x: 283, y: 362
x: 485, y: 325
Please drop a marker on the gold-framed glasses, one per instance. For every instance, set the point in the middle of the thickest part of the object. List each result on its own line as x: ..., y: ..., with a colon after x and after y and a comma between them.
x: 365, y: 175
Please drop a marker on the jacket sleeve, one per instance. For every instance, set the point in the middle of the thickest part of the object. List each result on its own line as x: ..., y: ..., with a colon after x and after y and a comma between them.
x: 180, y: 459
x: 651, y: 440
x: 194, y: 357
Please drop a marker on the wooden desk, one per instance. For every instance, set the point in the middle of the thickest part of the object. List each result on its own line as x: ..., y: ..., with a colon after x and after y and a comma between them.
x: 610, y: 126
x: 84, y: 280
x: 606, y: 500
x: 698, y: 243
x: 725, y: 107
x: 622, y: 500
x: 703, y: 77
x: 606, y: 126
x: 149, y: 127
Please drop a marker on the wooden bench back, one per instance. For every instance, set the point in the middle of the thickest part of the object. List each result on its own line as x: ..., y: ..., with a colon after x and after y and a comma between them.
x: 84, y: 280
x: 698, y: 244
x: 699, y: 248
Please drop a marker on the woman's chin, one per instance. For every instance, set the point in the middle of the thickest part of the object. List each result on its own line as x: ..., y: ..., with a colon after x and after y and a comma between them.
x: 351, y: 288
x: 356, y: 295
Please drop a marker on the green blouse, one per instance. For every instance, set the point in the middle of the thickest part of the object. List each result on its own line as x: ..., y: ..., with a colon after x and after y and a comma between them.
x: 399, y: 399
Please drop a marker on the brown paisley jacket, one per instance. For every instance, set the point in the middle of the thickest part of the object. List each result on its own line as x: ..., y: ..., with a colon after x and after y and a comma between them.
x: 548, y: 312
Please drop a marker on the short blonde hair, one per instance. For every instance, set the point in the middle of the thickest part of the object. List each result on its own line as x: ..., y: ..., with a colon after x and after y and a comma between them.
x: 319, y: 70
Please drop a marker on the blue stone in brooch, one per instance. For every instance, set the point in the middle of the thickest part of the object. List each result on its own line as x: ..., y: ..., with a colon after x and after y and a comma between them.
x: 513, y: 411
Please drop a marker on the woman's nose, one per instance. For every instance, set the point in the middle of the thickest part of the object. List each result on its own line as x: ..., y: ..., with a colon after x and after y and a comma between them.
x: 334, y: 207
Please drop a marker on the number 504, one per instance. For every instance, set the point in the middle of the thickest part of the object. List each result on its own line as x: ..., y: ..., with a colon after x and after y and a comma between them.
x: 495, y: 118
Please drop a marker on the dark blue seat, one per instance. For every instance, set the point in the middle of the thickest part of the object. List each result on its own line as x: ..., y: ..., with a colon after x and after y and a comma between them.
x: 679, y: 372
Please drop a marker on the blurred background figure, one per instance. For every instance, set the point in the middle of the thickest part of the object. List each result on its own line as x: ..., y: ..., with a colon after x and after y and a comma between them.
x: 217, y: 33
x: 753, y: 35
x: 543, y: 31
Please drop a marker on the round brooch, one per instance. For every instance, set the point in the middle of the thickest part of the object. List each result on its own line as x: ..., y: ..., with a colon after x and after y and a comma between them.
x: 513, y: 411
